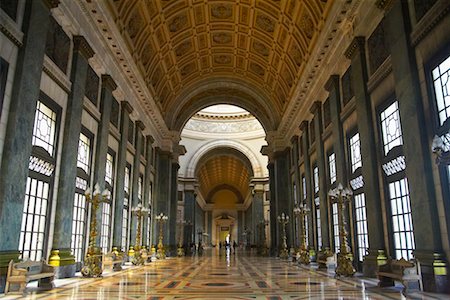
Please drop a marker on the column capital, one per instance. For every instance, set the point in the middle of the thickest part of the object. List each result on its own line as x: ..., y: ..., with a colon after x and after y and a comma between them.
x: 108, y: 82
x: 294, y: 139
x: 140, y: 125
x: 51, y: 3
x: 80, y: 44
x: 150, y: 139
x: 126, y: 106
x: 304, y: 126
x: 384, y: 4
x: 357, y: 44
x: 315, y: 107
x: 332, y: 83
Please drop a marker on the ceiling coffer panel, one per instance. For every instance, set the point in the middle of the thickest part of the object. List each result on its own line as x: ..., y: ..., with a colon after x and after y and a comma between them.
x: 179, y: 43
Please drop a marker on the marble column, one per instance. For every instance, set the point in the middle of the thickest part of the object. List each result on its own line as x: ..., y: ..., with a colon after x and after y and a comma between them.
x: 274, y: 226
x: 61, y: 257
x: 249, y: 225
x: 240, y: 224
x: 258, y: 214
x: 356, y: 52
x: 162, y: 191
x: 172, y: 222
x: 316, y: 110
x: 427, y: 233
x: 304, y: 127
x: 139, y: 127
x: 189, y: 216
x: 17, y: 146
x: 296, y: 193
x: 146, y: 228
x: 125, y: 112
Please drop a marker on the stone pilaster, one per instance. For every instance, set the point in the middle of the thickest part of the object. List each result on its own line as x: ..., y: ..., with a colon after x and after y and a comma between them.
x: 146, y: 228
x: 136, y: 174
x: 17, y: 146
x: 125, y: 112
x: 356, y: 52
x: 316, y: 110
x: 427, y: 233
x: 304, y: 127
x: 64, y: 262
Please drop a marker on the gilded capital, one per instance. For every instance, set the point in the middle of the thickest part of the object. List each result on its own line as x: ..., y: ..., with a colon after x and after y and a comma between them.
x: 80, y: 44
x: 294, y: 139
x: 108, y: 82
x: 304, y: 125
x: 150, y: 139
x: 357, y: 44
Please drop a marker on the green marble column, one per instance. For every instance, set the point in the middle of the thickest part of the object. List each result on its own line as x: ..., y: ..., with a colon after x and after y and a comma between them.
x: 101, y: 149
x: 304, y: 127
x: 274, y: 238
x: 172, y: 222
x: 162, y: 192
x: 119, y: 190
x: 139, y: 127
x: 296, y: 194
x: 61, y: 257
x: 189, y: 217
x: 17, y: 146
x: 356, y: 52
x: 316, y: 110
x: 258, y: 214
x: 146, y: 228
x: 416, y: 144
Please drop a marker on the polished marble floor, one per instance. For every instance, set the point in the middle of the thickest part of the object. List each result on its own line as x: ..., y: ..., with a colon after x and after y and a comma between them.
x: 220, y: 277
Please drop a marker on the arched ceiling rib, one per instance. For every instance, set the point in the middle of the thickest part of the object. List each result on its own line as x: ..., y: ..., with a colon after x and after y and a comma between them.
x: 264, y: 43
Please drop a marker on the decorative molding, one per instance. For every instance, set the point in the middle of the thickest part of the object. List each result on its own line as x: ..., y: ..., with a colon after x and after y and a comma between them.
x: 55, y: 73
x: 91, y: 109
x: 380, y: 74
x: 223, y: 127
x: 10, y: 29
x: 357, y: 44
x: 439, y: 10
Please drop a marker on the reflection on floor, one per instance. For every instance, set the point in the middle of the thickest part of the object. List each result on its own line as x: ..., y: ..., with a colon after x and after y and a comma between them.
x: 220, y: 277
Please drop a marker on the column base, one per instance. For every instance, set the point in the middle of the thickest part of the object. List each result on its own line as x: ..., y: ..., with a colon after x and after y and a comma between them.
x: 64, y: 263
x: 434, y: 270
x: 5, y: 258
x: 372, y: 261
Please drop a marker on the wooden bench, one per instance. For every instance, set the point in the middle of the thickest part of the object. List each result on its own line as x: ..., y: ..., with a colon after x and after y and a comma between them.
x: 112, y: 259
x: 23, y: 272
x: 406, y: 272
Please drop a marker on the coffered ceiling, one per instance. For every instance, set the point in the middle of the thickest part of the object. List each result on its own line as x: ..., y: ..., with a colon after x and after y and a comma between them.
x: 224, y: 168
x: 177, y: 44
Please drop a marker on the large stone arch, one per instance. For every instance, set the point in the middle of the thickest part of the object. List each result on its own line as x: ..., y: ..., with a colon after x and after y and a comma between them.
x: 223, y: 91
x: 257, y: 168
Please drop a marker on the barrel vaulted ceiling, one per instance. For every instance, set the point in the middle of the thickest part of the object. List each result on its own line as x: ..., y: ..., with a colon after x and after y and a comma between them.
x: 179, y: 44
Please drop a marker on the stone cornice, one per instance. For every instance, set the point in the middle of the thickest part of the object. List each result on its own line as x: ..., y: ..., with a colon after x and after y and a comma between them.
x: 380, y: 74
x: 315, y: 107
x: 332, y: 83
x: 439, y: 10
x: 357, y: 44
x: 126, y: 106
x: 80, y: 44
x: 108, y: 82
x: 9, y: 28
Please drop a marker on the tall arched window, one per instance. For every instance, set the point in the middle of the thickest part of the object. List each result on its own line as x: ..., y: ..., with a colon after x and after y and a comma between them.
x: 40, y: 180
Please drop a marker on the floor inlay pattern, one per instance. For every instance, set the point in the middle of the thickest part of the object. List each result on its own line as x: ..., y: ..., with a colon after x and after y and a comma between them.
x: 220, y: 277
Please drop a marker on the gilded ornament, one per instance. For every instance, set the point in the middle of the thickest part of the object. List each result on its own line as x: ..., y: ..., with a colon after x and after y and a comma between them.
x: 265, y: 23
x: 134, y: 25
x: 261, y: 48
x: 257, y: 69
x: 183, y: 48
x: 306, y: 25
x: 222, y: 38
x: 222, y: 59
x: 221, y: 11
x: 178, y: 23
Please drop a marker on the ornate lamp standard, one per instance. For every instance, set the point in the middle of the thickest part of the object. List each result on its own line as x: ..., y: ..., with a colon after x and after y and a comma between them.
x: 93, y: 260
x: 180, y: 250
x: 138, y: 258
x: 301, y: 210
x: 283, y: 220
x: 161, y: 219
x: 341, y: 196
